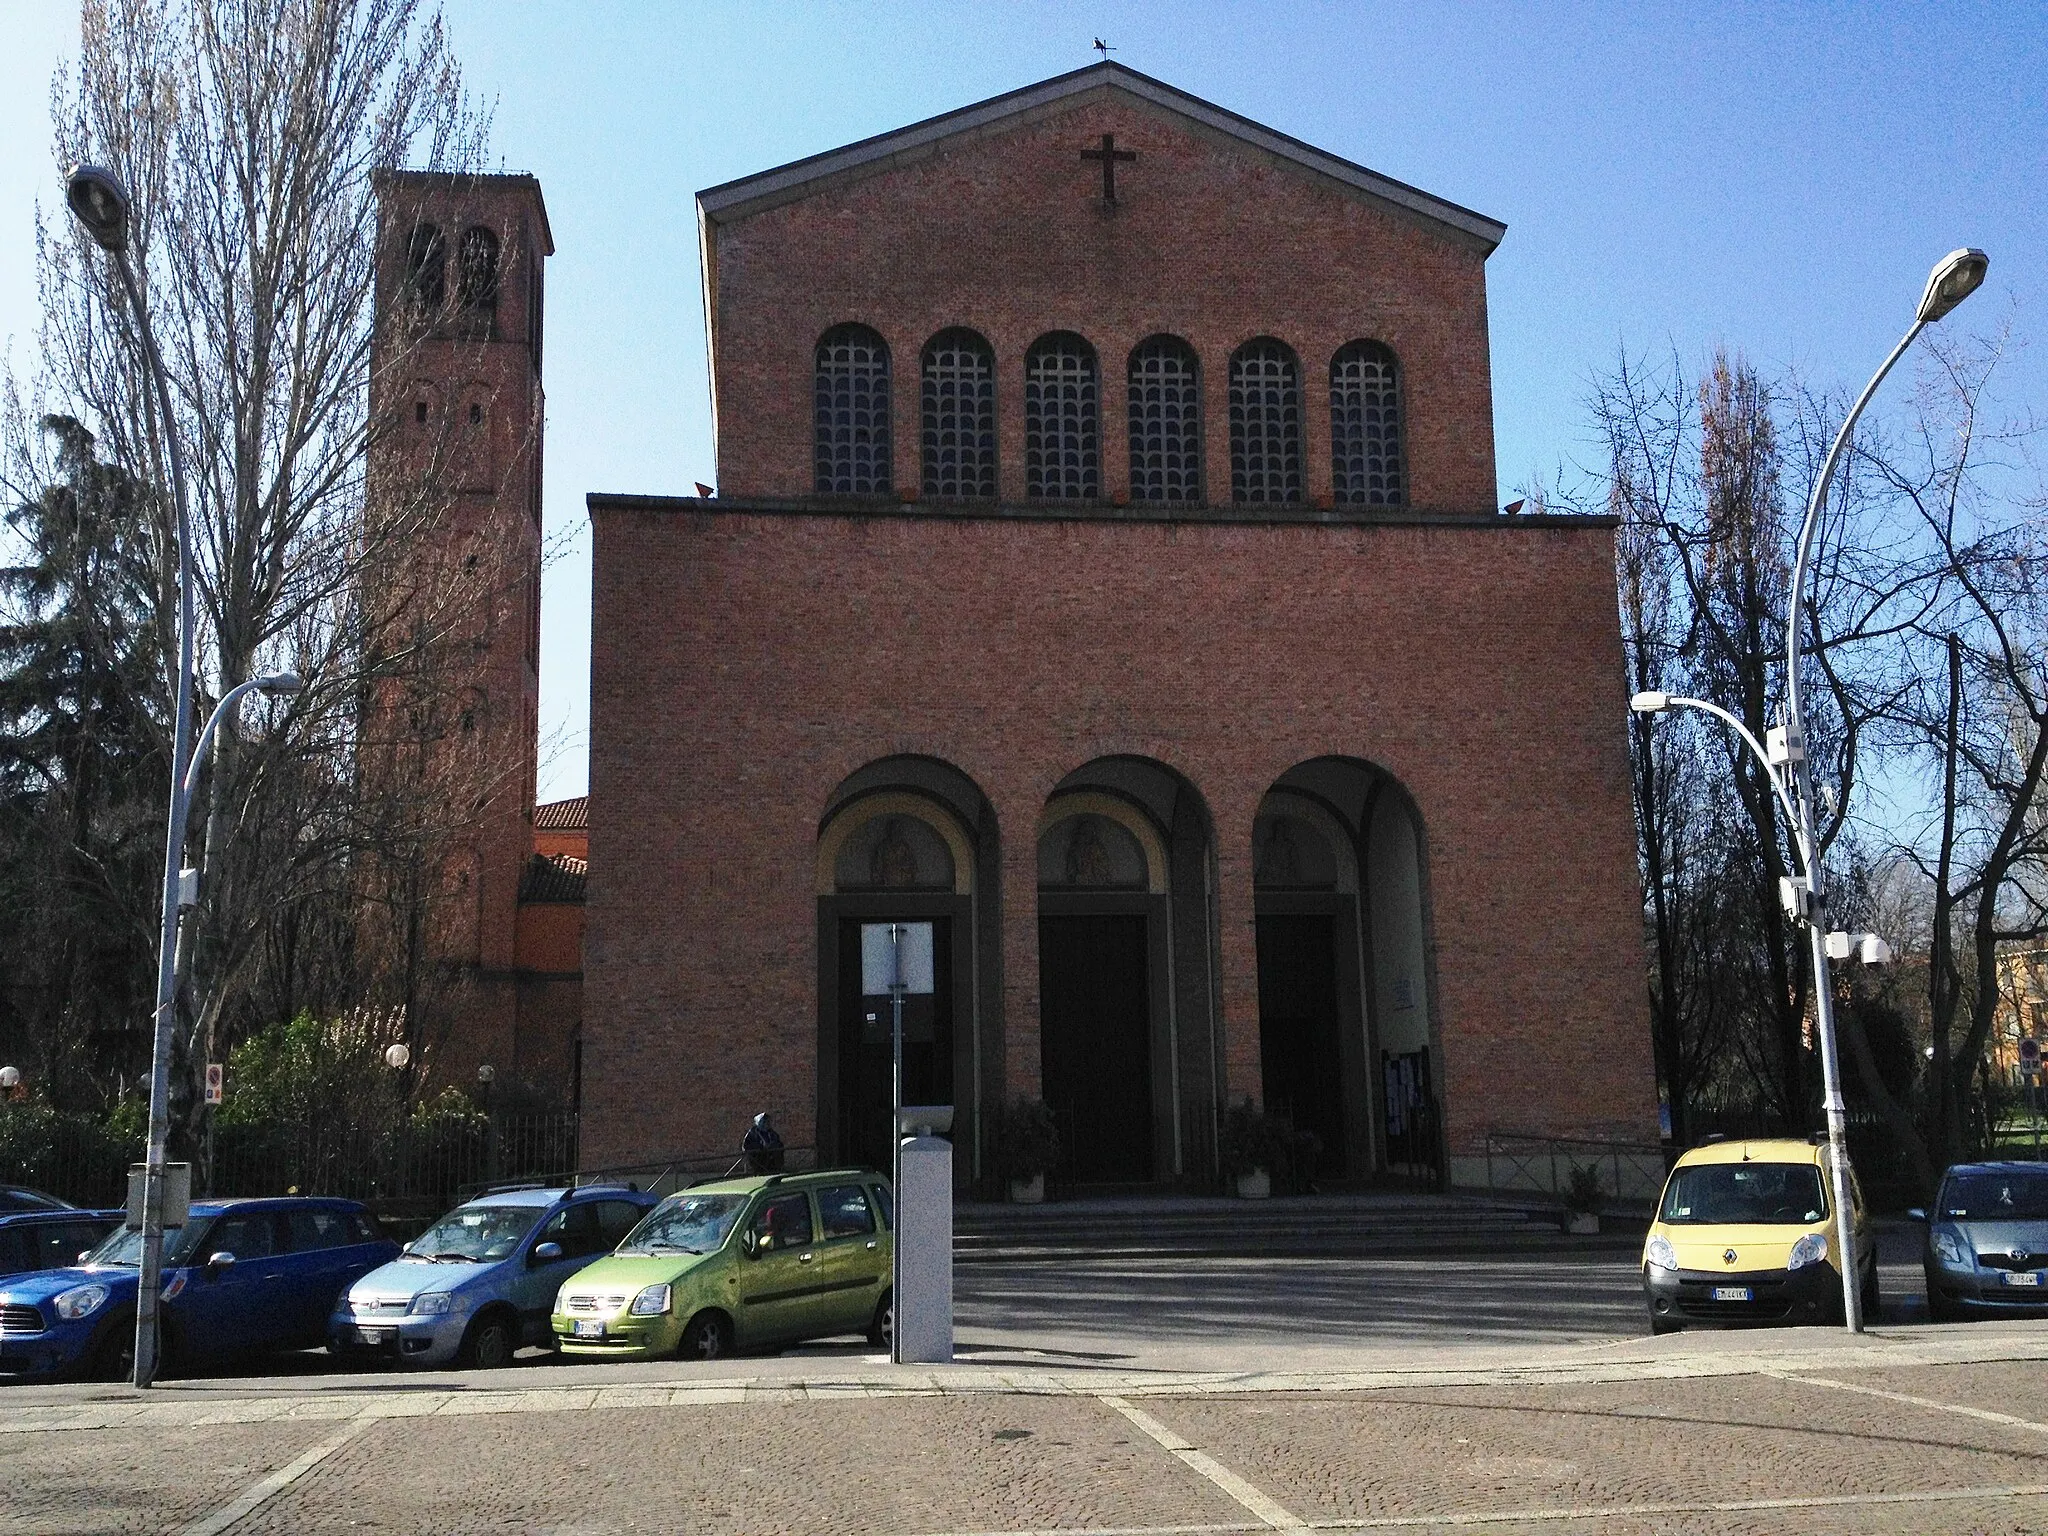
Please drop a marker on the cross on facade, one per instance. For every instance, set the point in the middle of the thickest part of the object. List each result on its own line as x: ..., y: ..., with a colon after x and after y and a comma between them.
x: 1109, y: 154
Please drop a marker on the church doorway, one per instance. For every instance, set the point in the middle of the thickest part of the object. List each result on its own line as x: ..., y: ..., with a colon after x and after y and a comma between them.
x: 1343, y: 969
x: 1126, y: 973
x: 1096, y: 1043
x: 904, y: 840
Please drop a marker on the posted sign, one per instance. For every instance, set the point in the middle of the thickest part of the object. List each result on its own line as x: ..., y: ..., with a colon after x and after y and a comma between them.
x: 216, y: 1075
x: 884, y: 947
x: 2030, y: 1057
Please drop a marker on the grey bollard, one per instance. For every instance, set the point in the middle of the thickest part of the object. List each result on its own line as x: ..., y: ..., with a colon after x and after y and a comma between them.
x: 924, y: 1254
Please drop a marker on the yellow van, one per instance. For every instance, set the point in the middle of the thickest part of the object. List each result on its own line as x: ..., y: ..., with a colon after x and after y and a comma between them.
x: 1745, y: 1232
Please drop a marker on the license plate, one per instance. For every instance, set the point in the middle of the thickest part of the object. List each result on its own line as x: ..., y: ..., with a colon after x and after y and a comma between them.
x: 2023, y: 1277
x: 1733, y: 1293
x: 375, y: 1335
x: 588, y: 1329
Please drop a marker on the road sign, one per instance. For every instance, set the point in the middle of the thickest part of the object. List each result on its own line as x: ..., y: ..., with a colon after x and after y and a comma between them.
x: 884, y: 947
x: 2030, y: 1056
x: 216, y: 1075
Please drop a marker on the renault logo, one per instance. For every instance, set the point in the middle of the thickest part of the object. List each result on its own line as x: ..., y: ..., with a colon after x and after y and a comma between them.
x: 1729, y: 1256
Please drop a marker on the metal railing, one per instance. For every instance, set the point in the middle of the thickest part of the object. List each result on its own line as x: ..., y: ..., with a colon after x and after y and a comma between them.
x: 1519, y: 1162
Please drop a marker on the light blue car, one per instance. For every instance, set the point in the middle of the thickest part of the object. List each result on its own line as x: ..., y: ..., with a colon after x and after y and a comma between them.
x: 480, y: 1282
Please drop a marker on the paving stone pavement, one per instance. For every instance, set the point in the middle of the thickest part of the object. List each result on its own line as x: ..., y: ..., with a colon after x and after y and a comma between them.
x: 1906, y: 1430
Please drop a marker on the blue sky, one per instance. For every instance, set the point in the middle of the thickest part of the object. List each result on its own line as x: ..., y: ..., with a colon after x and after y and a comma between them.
x: 1776, y: 177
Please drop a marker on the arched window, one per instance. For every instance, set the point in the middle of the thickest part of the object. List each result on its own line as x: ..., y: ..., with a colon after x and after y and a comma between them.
x: 1265, y: 422
x: 426, y: 266
x: 851, y: 419
x: 959, y: 416
x: 1365, y: 426
x: 1166, y: 421
x: 1061, y: 457
x: 479, y: 282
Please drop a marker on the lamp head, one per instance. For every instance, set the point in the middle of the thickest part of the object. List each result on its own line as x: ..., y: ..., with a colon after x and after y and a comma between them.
x: 1954, y: 278
x: 100, y: 203
x: 1651, y: 701
x: 395, y: 1057
x: 279, y: 683
x: 10, y: 1078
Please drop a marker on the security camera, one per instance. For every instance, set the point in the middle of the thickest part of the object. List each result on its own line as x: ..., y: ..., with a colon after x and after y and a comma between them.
x: 1864, y: 948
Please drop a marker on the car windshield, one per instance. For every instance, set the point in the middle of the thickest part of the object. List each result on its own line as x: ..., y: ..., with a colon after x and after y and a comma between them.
x: 1744, y: 1194
x: 686, y: 1224
x: 2002, y: 1196
x: 14, y: 1198
x: 474, y: 1233
x: 123, y: 1246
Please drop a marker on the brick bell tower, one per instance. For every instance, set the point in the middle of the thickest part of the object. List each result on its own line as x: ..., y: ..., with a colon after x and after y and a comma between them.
x: 451, y: 727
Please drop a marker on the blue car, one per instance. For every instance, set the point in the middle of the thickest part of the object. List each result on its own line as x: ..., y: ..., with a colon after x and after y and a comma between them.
x: 1987, y: 1242
x: 50, y: 1239
x: 240, y: 1277
x: 481, y: 1281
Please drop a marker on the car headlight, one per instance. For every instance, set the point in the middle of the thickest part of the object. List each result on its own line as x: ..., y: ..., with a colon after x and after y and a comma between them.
x: 80, y: 1301
x: 1810, y: 1249
x: 432, y: 1303
x: 650, y: 1302
x: 1949, y: 1247
x: 1659, y: 1254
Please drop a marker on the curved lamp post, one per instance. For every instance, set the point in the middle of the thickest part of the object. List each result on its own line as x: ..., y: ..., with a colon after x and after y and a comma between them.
x: 101, y: 204
x: 1954, y: 278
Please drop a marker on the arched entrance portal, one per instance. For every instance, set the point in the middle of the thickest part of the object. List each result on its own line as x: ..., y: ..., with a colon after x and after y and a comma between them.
x: 1126, y: 972
x: 1345, y: 1035
x: 904, y: 839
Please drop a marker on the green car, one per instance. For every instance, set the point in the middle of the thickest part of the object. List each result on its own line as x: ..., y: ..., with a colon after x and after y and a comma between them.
x: 740, y: 1264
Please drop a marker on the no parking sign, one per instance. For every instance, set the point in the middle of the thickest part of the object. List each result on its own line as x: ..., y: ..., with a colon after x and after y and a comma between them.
x: 2030, y: 1057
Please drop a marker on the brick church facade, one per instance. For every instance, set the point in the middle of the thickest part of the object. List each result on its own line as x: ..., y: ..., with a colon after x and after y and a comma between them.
x: 1105, y: 567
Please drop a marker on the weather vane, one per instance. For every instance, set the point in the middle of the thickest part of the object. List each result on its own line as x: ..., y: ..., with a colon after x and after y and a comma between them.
x: 1102, y: 48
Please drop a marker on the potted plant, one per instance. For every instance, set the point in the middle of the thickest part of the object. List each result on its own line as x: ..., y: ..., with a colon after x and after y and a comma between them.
x: 1582, y: 1200
x: 1027, y: 1147
x: 1254, y: 1144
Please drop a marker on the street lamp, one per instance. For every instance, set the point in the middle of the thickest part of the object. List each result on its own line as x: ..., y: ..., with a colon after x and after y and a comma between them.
x: 10, y: 1079
x: 1954, y: 278
x: 102, y: 205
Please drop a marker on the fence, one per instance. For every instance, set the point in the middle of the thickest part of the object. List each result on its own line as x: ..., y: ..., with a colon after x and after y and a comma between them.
x: 418, y: 1168
x: 1521, y: 1163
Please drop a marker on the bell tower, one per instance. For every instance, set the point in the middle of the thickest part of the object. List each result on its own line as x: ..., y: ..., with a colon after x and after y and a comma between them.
x: 456, y: 417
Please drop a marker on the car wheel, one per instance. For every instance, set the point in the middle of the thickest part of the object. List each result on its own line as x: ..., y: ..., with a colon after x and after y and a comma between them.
x: 882, y: 1328
x: 1662, y: 1324
x: 489, y: 1344
x: 113, y: 1356
x: 1872, y: 1302
x: 1939, y: 1308
x: 707, y: 1336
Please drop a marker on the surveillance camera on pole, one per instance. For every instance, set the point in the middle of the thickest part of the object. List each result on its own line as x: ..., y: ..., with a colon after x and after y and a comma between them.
x: 1864, y: 948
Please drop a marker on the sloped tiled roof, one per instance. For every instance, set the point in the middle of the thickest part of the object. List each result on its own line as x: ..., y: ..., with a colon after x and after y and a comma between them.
x: 563, y: 815
x: 560, y: 877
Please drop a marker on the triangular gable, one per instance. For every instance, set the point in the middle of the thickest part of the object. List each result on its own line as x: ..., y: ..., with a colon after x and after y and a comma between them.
x: 786, y: 183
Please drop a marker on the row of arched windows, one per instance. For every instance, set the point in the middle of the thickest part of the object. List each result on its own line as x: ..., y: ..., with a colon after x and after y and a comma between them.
x: 1062, y: 426
x: 476, y: 271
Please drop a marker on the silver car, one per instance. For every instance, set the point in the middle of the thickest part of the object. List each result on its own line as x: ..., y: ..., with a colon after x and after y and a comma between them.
x: 1987, y: 1242
x: 479, y: 1282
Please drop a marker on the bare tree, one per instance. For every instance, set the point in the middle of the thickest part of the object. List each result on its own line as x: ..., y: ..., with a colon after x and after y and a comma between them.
x: 251, y: 135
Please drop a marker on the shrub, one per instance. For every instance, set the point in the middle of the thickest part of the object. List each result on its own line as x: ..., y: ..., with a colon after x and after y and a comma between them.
x: 1253, y: 1139
x: 1582, y: 1192
x: 1027, y: 1139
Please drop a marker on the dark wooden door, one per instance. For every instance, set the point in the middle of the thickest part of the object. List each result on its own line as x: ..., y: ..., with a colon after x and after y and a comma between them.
x: 1096, y: 1044
x: 865, y: 1050
x: 1302, y: 1074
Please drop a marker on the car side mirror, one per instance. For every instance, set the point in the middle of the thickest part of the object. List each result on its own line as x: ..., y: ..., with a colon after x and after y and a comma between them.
x: 750, y: 1244
x: 1916, y: 1214
x: 84, y: 1254
x: 219, y: 1263
x: 546, y: 1253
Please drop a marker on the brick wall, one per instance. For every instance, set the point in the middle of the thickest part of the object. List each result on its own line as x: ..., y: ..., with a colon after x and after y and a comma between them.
x: 744, y: 662
x: 1006, y: 233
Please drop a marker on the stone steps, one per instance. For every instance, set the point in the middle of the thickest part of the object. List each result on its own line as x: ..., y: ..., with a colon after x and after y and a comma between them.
x: 1379, y: 1226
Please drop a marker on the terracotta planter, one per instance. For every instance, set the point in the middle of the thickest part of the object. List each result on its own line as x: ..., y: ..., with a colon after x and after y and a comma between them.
x: 1256, y: 1185
x: 1582, y: 1223
x: 1029, y: 1191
